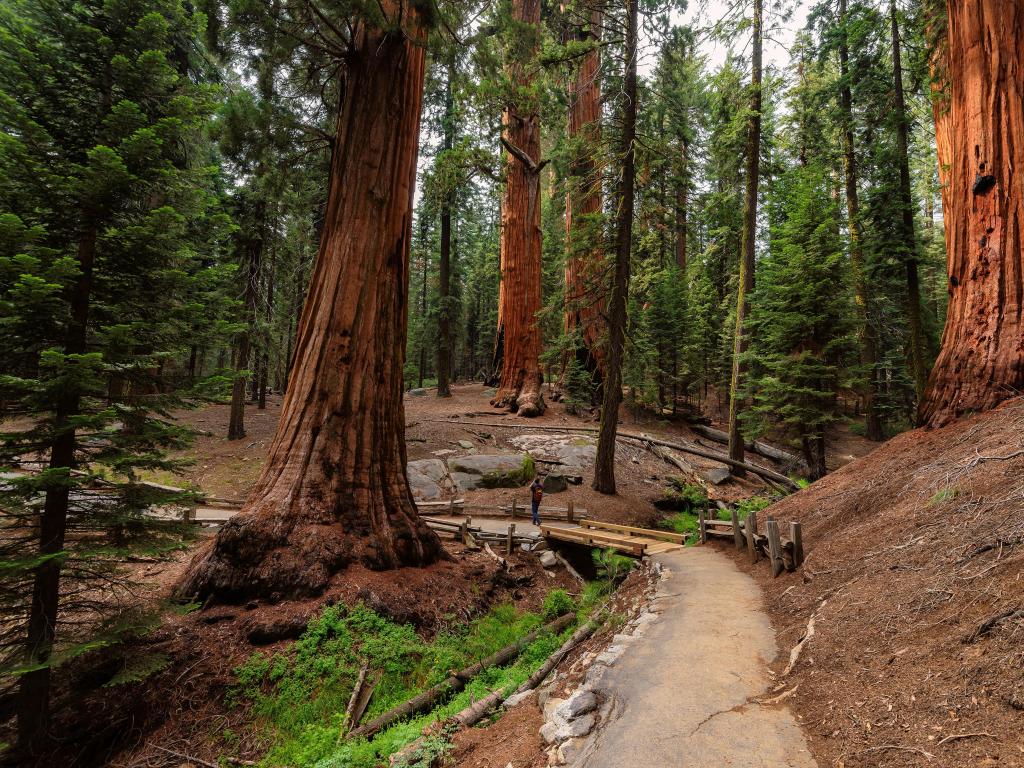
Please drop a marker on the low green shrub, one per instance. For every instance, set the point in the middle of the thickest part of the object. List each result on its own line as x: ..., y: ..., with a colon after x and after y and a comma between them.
x: 298, y: 696
x: 681, y: 496
x: 557, y: 603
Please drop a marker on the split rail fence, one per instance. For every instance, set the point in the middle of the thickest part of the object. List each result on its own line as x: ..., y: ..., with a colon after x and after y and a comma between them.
x: 782, y: 554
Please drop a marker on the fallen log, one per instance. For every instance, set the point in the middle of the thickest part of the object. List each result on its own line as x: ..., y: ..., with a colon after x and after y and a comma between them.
x: 478, y: 710
x: 767, y: 474
x: 759, y: 447
x: 425, y: 700
x: 357, y: 691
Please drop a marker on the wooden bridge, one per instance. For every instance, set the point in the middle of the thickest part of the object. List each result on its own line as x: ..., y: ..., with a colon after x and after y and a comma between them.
x: 626, y: 539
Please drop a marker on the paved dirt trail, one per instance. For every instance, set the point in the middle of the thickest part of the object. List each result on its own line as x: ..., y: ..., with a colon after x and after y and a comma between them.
x: 682, y: 693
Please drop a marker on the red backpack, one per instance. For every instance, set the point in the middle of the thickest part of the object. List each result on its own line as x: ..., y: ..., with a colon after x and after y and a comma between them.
x: 538, y: 492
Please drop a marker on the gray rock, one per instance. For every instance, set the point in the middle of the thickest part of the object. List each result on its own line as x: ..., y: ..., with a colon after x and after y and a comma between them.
x: 581, y: 726
x: 492, y: 470
x: 418, y: 392
x: 573, y: 452
x: 548, y: 559
x: 465, y: 444
x: 518, y: 698
x: 579, y: 703
x: 717, y: 476
x: 569, y: 750
x: 548, y: 732
x: 549, y: 705
x: 444, y: 452
x: 555, y: 483
x: 429, y: 479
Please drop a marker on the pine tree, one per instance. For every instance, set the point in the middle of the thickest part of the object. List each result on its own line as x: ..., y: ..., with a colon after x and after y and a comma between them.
x: 801, y: 317
x: 104, y: 219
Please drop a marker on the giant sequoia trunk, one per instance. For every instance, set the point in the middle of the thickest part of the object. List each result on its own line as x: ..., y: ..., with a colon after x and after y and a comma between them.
x: 746, y: 276
x: 517, y: 352
x: 979, y: 130
x: 584, y: 300
x: 334, y: 490
x: 604, y: 463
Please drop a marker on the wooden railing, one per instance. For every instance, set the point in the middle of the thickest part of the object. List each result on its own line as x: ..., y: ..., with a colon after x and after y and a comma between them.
x: 782, y: 554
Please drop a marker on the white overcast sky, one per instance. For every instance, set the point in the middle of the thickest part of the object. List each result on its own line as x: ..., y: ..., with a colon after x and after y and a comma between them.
x: 700, y: 14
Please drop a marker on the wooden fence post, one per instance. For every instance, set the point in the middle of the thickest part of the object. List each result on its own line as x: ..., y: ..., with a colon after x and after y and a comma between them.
x: 508, y: 541
x: 701, y: 528
x: 464, y: 531
x: 774, y: 548
x: 751, y: 534
x: 737, y: 534
x: 451, y: 507
x: 570, y: 513
x: 513, y: 509
x: 796, y: 536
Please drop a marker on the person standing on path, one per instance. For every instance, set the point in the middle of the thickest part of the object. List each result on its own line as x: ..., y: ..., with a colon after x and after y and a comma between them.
x: 536, y: 494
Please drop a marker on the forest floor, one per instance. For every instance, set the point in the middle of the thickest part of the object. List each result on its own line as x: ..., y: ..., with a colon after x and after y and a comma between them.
x: 913, y: 578
x: 182, y: 709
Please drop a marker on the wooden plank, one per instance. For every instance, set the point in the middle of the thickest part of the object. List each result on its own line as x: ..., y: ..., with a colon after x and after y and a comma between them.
x: 588, y: 536
x: 774, y: 548
x: 631, y: 530
x: 720, y: 533
x: 750, y: 531
x: 796, y: 536
x: 659, y: 548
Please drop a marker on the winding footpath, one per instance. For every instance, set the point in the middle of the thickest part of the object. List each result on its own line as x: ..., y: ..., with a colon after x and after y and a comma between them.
x: 683, y: 694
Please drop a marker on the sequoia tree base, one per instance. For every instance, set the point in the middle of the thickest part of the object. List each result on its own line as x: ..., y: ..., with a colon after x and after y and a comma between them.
x: 527, y: 402
x: 264, y: 553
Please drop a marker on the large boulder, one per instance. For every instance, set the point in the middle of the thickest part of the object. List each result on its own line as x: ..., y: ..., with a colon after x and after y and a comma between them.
x: 429, y: 479
x: 492, y: 470
x: 555, y: 483
x: 574, y: 452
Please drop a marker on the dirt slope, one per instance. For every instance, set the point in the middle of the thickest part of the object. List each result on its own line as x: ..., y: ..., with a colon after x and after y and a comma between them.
x: 914, y: 576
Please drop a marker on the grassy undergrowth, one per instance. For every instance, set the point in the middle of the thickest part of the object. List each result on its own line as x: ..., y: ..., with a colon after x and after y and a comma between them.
x: 685, y: 521
x: 298, y: 696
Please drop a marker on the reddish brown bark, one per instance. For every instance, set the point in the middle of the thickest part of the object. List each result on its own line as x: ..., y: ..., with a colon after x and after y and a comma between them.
x: 334, y: 490
x: 517, y: 351
x: 584, y: 299
x: 980, y: 139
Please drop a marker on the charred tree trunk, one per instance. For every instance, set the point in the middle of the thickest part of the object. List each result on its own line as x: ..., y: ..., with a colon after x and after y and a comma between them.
x: 979, y: 125
x: 604, y: 464
x: 34, y: 686
x: 334, y: 489
x: 444, y: 328
x: 868, y: 343
x: 584, y: 300
x: 517, y: 352
x: 261, y: 402
x: 746, y: 276
x: 253, y: 255
x: 918, y: 365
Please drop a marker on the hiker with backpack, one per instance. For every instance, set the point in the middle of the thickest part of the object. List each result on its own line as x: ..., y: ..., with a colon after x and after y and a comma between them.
x: 536, y: 494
